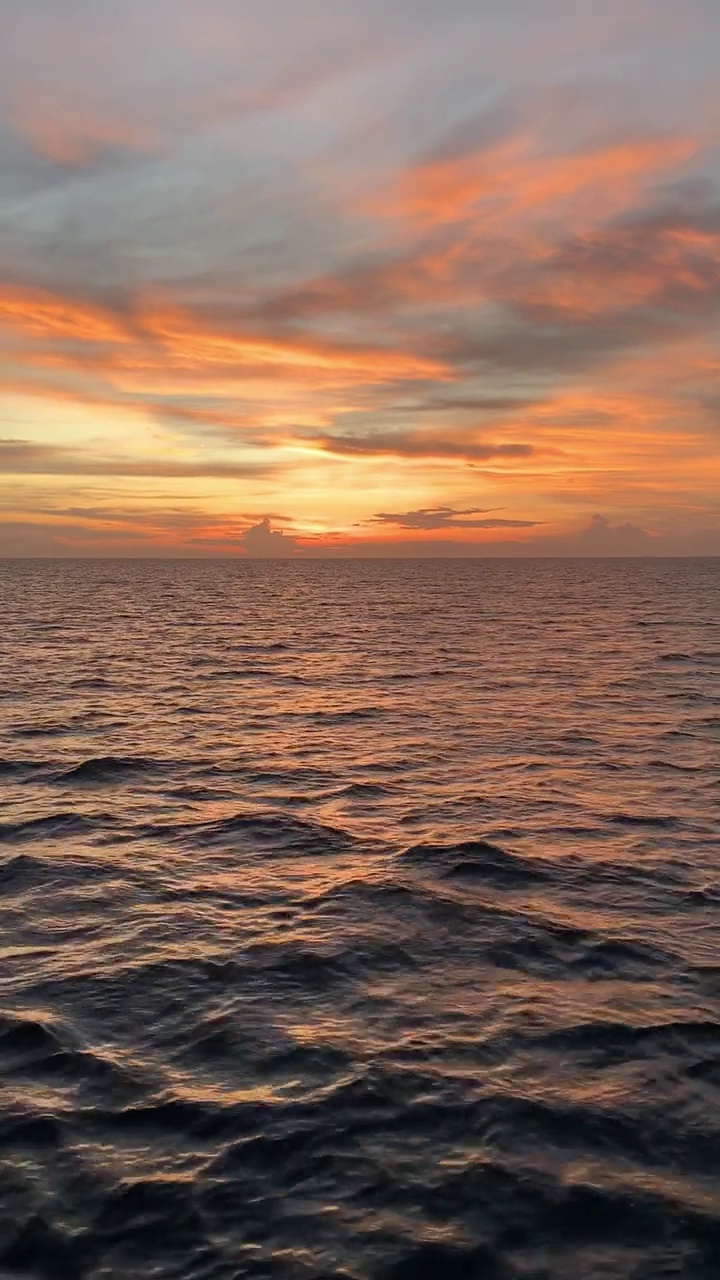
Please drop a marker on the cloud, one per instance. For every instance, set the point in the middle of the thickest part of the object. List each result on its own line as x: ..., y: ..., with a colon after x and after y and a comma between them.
x: 361, y: 260
x: 404, y: 445
x: 69, y: 135
x: 189, y: 343
x: 198, y: 340
x: 263, y: 541
x: 601, y: 536
x: 154, y: 528
x: 666, y: 260
x: 447, y: 518
x: 513, y: 178
x: 24, y: 457
x: 42, y: 314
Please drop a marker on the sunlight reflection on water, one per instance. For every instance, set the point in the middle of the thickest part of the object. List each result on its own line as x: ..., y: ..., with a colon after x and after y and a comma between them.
x: 360, y: 918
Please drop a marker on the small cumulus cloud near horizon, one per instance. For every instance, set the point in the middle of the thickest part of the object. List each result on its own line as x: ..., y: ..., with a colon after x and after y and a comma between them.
x: 454, y: 296
x: 262, y: 540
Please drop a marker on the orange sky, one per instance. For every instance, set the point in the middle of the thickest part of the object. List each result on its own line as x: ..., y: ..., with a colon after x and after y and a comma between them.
x: 388, y: 279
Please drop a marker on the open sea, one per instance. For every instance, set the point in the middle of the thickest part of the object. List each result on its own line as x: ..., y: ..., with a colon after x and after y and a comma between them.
x: 360, y: 919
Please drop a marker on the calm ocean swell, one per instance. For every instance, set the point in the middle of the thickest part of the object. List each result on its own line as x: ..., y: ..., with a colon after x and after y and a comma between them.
x: 360, y: 919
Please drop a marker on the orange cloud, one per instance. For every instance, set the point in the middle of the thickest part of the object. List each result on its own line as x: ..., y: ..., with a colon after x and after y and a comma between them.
x: 176, y: 341
x: 624, y: 268
x: 40, y: 314
x: 513, y: 224
x: 411, y: 444
x: 73, y: 135
x: 631, y: 427
x: 188, y: 345
x: 513, y: 180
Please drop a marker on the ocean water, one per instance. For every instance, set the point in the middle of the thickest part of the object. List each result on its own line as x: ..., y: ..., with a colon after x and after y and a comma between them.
x: 360, y: 919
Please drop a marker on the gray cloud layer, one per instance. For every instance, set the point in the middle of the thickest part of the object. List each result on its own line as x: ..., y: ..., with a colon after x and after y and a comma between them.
x: 479, y: 190
x: 22, y: 457
x: 447, y: 518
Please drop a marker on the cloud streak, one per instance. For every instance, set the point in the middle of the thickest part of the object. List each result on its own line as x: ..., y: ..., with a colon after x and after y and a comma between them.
x: 406, y: 445
x: 23, y: 457
x: 447, y: 518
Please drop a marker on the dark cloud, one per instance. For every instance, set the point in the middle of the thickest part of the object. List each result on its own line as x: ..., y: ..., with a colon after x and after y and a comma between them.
x: 522, y: 347
x: 447, y: 518
x: 170, y: 532
x: 319, y: 241
x: 475, y: 404
x: 584, y: 302
x: 633, y: 270
x: 601, y: 535
x: 23, y: 457
x: 420, y: 446
x: 263, y: 541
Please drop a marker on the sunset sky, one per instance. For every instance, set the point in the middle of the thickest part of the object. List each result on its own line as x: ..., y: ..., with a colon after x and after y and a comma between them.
x: 360, y: 277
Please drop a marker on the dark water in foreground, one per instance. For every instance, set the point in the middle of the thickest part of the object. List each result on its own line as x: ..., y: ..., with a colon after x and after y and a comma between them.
x: 360, y: 919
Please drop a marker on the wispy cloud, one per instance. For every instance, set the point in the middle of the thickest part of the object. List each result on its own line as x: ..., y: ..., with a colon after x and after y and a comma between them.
x: 409, y: 445
x: 24, y: 457
x: 447, y: 518
x: 480, y: 270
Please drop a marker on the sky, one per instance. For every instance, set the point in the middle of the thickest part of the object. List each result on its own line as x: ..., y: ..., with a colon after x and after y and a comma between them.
x: 359, y: 277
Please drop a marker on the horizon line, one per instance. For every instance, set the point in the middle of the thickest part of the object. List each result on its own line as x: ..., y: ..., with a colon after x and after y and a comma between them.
x: 310, y: 559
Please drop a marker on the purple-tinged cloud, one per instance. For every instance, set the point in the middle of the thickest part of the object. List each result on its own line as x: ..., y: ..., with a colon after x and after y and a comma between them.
x: 263, y: 541
x: 398, y: 444
x: 447, y: 518
x: 25, y: 457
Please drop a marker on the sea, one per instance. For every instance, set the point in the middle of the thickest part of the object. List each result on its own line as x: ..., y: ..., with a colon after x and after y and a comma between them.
x: 360, y: 920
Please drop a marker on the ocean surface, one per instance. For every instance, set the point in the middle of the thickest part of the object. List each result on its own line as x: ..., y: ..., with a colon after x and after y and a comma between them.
x: 360, y: 919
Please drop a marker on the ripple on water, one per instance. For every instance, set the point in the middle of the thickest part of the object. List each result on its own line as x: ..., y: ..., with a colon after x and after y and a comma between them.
x: 373, y: 940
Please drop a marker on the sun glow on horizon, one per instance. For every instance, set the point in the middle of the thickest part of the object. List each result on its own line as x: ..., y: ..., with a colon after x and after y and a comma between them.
x: 389, y: 280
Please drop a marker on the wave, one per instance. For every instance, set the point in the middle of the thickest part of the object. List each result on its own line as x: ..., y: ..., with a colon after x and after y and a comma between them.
x: 276, y: 646
x: 433, y: 673
x: 42, y: 730
x: 22, y: 872
x: 475, y: 860
x: 664, y: 822
x: 623, y: 1041
x: 53, y: 826
x: 391, y: 955
x: 342, y: 717
x: 26, y: 1038
x: 281, y: 833
x: 107, y: 769
x: 91, y: 682
x: 276, y: 675
x: 19, y: 768
x: 365, y: 791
